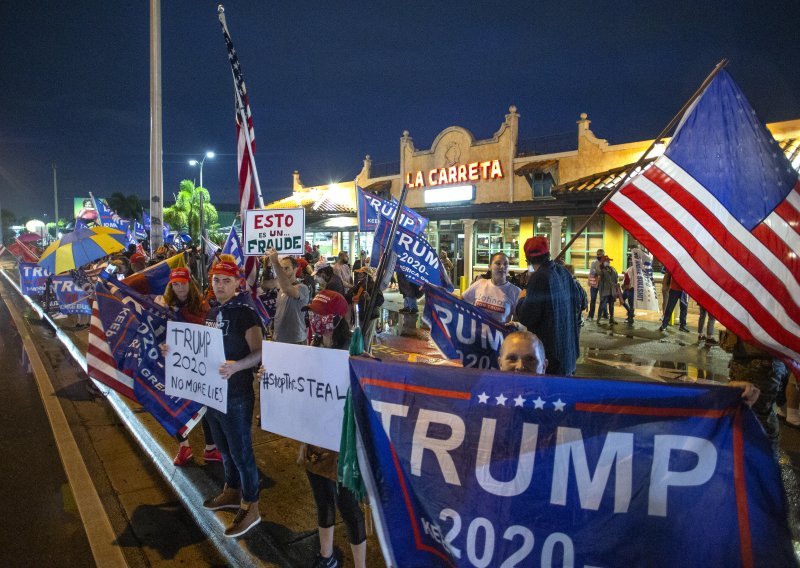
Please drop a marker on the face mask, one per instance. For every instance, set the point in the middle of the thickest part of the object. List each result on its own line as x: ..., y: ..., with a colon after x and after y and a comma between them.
x: 321, y: 324
x: 606, y: 264
x: 531, y: 269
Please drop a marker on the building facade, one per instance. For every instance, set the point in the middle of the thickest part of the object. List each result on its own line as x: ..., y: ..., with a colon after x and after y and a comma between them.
x: 490, y: 195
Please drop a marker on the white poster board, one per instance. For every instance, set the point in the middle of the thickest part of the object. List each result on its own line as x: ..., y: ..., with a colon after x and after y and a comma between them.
x: 191, y: 367
x: 281, y: 229
x: 303, y: 392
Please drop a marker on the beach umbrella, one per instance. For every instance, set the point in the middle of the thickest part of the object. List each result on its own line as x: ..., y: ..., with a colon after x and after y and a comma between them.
x: 80, y: 247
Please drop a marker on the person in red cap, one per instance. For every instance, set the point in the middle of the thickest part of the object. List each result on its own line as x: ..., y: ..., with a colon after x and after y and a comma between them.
x: 183, y: 297
x: 327, y: 320
x: 549, y: 307
x: 138, y: 262
x: 242, y: 335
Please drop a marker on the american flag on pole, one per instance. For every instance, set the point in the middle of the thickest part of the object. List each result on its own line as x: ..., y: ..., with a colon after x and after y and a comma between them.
x: 721, y: 210
x: 245, y: 147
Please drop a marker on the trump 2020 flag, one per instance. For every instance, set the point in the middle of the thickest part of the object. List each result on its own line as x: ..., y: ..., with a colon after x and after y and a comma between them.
x: 416, y: 258
x: 721, y: 210
x: 371, y: 208
x: 461, y: 331
x: 468, y: 467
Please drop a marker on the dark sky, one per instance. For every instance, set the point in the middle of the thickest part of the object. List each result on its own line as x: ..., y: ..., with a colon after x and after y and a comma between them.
x: 330, y: 82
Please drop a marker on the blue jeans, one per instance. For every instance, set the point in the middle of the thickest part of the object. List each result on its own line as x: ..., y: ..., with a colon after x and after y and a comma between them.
x: 592, y: 301
x: 627, y: 302
x: 606, y: 307
x: 233, y: 435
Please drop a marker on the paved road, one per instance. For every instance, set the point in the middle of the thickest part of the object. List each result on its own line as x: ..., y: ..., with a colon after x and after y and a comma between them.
x: 41, y: 524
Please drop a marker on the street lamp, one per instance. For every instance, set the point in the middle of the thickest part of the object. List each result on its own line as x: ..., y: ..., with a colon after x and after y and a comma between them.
x: 201, y: 162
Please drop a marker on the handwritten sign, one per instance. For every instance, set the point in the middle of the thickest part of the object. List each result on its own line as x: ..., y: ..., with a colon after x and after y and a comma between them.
x: 192, y: 364
x: 281, y: 229
x: 303, y: 392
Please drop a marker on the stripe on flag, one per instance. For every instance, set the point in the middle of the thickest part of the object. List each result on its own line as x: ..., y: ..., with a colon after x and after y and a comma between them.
x: 99, y: 361
x: 735, y: 255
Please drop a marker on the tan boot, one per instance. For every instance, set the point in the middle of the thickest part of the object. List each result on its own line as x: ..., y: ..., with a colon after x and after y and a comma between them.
x: 228, y: 499
x: 247, y: 517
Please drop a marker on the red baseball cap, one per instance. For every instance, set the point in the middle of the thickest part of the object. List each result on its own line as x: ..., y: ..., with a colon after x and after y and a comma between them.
x: 138, y: 257
x: 536, y: 246
x: 328, y: 302
x: 225, y: 268
x: 181, y: 274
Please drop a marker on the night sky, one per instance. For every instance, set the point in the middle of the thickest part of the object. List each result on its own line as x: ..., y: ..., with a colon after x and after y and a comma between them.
x: 330, y: 82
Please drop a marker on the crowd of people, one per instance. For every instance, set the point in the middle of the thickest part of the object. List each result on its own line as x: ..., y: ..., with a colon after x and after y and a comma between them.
x: 313, y: 302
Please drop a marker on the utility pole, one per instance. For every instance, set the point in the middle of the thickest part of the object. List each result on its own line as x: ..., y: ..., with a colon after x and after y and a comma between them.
x: 55, y: 196
x: 156, y: 165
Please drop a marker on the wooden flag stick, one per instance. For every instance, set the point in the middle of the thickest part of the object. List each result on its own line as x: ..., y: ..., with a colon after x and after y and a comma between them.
x: 672, y: 123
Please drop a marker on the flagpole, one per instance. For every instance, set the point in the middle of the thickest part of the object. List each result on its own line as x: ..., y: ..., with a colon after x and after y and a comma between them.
x: 358, y: 220
x: 631, y: 171
x: 243, y: 118
x: 100, y: 219
x: 373, y: 297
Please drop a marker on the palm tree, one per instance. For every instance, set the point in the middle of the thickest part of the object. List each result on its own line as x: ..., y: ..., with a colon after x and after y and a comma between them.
x: 126, y: 206
x: 185, y: 214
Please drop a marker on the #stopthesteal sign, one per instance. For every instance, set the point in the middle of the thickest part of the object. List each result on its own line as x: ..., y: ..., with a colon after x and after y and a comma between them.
x: 303, y: 391
x: 281, y: 229
x: 192, y: 364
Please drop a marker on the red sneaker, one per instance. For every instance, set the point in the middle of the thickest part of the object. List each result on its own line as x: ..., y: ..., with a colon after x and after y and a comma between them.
x: 184, y: 455
x: 212, y: 455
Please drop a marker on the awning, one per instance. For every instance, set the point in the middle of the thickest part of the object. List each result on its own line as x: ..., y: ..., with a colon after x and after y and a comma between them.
x: 320, y: 203
x: 379, y: 186
x: 535, y: 167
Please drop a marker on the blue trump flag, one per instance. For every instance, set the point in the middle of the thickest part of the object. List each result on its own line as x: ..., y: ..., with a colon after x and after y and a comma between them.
x: 416, y: 258
x: 32, y: 279
x: 482, y: 468
x: 462, y: 331
x: 123, y: 353
x: 108, y: 217
x: 371, y: 208
x: 72, y: 299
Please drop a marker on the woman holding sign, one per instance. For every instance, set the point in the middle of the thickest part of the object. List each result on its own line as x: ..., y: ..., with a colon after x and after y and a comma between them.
x: 183, y: 297
x: 493, y: 293
x: 327, y: 321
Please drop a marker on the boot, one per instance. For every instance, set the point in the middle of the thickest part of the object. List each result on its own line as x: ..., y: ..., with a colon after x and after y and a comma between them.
x: 228, y: 499
x: 247, y: 517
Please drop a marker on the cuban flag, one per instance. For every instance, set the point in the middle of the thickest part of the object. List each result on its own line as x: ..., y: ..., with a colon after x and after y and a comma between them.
x: 233, y: 246
x: 721, y: 210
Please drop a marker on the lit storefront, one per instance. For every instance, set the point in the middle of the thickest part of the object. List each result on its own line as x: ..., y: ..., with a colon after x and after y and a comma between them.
x: 485, y: 196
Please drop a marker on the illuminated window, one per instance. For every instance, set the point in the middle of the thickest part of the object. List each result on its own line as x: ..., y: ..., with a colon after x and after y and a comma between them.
x: 584, y: 250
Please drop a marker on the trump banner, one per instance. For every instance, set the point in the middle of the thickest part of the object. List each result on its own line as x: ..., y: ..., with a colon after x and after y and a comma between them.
x: 153, y: 280
x: 72, y: 299
x: 462, y: 331
x: 33, y: 279
x: 416, y: 258
x: 371, y: 208
x: 481, y: 468
x: 644, y: 296
x: 125, y: 332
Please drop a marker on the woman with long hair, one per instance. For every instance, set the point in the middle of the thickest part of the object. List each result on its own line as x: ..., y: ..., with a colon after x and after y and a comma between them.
x: 184, y: 297
x: 328, y: 323
x: 493, y: 293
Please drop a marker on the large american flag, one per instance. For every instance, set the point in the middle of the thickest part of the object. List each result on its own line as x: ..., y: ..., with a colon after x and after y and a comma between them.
x: 721, y: 210
x: 248, y: 189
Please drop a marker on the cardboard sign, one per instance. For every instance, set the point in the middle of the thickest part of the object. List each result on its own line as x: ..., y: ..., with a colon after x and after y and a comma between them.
x: 281, y: 229
x: 192, y: 364
x: 303, y: 392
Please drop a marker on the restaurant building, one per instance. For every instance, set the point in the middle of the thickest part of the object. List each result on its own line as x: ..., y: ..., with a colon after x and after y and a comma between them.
x: 490, y: 195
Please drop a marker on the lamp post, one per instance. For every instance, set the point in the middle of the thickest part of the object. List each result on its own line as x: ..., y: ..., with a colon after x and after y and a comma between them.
x: 201, y: 162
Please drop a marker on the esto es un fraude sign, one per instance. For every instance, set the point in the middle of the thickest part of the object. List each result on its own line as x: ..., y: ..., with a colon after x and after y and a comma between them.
x: 281, y: 229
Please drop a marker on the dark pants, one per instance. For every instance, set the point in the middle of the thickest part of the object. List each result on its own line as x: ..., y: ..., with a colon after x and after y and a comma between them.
x: 674, y: 298
x: 768, y: 375
x: 606, y: 307
x: 233, y: 435
x: 627, y: 302
x: 328, y: 495
x: 592, y: 300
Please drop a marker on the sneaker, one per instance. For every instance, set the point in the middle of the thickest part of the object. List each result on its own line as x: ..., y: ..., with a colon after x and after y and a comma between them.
x: 247, y: 517
x: 711, y: 341
x: 228, y: 499
x: 323, y: 562
x: 662, y: 328
x: 684, y: 328
x: 701, y: 338
x: 184, y: 455
x: 212, y: 455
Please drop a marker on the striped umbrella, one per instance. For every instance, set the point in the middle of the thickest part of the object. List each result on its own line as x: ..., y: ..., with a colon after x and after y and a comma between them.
x: 80, y: 247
